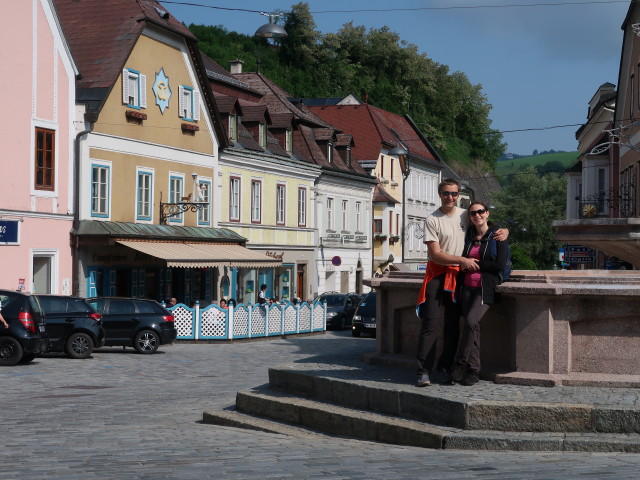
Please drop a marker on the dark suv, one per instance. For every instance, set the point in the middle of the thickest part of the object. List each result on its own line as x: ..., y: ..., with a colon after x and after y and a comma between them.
x: 26, y: 336
x: 73, y: 326
x: 340, y: 308
x: 364, y: 320
x: 135, y: 322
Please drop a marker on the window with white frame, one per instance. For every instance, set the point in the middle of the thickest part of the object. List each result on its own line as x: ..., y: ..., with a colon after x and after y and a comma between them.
x: 234, y: 199
x: 288, y: 141
x: 99, y: 190
x: 134, y: 88
x: 256, y: 201
x: 358, y: 216
x: 345, y: 215
x: 262, y: 134
x: 302, y: 207
x: 176, y: 189
x: 330, y: 223
x: 189, y: 103
x: 143, y: 204
x: 280, y: 204
x: 204, y: 196
x: 233, y: 127
x: 45, y: 159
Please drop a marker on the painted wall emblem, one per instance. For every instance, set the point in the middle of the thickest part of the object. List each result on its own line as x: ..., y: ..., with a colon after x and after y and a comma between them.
x: 161, y: 90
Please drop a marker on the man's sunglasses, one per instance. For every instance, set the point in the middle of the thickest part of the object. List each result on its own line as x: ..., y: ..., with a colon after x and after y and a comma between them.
x: 480, y: 211
x: 450, y: 194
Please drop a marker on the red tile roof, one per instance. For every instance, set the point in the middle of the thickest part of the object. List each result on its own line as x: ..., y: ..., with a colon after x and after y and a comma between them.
x: 374, y: 129
x: 102, y: 33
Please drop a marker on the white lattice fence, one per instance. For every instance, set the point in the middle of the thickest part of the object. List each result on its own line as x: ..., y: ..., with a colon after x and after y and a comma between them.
x: 304, y: 319
x: 258, y: 321
x: 290, y: 318
x: 241, y: 321
x: 214, y: 322
x: 183, y: 318
x: 274, y: 323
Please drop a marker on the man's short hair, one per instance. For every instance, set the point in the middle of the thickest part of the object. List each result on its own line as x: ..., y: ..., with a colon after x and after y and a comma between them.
x: 448, y: 181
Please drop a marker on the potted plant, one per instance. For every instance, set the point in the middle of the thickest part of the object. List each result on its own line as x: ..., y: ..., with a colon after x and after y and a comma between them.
x: 380, y: 236
x: 394, y: 238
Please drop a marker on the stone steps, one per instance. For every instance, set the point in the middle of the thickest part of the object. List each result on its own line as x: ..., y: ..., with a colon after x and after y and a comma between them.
x: 373, y: 410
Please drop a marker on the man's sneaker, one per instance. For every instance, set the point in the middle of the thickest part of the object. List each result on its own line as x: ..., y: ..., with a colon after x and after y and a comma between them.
x: 423, y: 380
x: 445, y: 377
x: 458, y: 371
x: 471, y: 378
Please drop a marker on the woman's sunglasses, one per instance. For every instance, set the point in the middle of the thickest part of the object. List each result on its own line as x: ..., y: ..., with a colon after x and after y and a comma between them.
x: 480, y: 211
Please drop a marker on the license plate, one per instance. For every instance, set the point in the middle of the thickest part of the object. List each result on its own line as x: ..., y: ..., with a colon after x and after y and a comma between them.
x: 370, y: 325
x: 41, y: 328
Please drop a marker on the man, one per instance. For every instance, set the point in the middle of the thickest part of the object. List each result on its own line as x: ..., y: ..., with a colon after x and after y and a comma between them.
x: 444, y: 236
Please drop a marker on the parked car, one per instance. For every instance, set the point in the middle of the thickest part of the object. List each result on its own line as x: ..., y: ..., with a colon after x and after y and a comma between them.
x: 340, y: 308
x: 364, y: 318
x: 73, y: 326
x: 135, y: 322
x: 26, y: 336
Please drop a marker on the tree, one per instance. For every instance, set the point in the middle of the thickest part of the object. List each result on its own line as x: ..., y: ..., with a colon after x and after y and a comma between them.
x: 527, y: 207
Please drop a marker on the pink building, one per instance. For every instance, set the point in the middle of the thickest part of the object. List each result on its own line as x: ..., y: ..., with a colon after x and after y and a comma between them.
x: 37, y: 132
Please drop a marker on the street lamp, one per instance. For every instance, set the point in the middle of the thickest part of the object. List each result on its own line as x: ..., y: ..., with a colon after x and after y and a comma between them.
x: 271, y: 29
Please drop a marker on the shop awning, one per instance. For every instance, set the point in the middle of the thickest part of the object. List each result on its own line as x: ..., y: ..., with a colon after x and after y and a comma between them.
x: 199, y: 255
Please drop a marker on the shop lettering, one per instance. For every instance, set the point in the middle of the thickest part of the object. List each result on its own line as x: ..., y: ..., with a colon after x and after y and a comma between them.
x: 109, y: 258
x: 276, y: 255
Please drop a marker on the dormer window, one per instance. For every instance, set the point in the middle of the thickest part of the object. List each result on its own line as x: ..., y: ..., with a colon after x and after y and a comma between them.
x: 134, y: 88
x: 348, y: 155
x: 189, y: 103
x: 330, y: 152
x: 288, y: 140
x: 233, y: 126
x: 262, y: 134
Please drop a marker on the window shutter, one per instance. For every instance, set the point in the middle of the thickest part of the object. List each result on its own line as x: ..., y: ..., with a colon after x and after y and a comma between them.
x: 125, y: 86
x: 143, y: 91
x: 180, y: 101
x: 196, y: 105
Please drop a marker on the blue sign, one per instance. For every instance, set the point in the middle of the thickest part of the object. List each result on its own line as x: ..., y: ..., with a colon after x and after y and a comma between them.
x: 9, y: 232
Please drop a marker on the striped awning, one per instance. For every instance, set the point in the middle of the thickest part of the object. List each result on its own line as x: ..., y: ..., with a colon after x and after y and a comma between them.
x: 199, y: 255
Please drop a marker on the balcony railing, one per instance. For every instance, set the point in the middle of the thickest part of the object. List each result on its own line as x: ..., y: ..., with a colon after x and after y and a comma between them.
x: 598, y: 205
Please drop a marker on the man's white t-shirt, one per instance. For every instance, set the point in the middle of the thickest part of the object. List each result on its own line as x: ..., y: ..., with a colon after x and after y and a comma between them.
x: 447, y: 230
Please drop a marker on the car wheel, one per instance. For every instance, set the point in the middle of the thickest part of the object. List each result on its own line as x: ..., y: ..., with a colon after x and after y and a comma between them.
x: 355, y: 332
x: 27, y: 358
x: 10, y: 351
x: 79, y: 345
x: 147, y: 342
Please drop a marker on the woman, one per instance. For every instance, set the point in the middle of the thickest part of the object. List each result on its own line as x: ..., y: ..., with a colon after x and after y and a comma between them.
x: 478, y: 290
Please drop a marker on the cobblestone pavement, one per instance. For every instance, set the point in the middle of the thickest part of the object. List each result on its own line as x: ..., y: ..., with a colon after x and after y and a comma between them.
x: 120, y: 415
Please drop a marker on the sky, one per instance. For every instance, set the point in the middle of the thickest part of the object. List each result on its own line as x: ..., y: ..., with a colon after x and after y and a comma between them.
x: 539, y: 62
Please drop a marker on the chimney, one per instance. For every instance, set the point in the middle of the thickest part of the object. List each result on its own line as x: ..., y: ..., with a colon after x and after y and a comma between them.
x: 236, y: 66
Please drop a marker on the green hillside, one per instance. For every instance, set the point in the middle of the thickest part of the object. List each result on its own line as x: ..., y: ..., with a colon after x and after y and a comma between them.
x: 547, y: 163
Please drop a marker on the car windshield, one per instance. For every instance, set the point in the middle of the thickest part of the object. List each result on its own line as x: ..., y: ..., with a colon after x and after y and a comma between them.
x: 333, y: 300
x: 367, y: 307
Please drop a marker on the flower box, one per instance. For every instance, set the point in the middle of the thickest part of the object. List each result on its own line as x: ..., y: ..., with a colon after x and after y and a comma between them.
x: 189, y: 127
x: 380, y: 236
x: 135, y: 114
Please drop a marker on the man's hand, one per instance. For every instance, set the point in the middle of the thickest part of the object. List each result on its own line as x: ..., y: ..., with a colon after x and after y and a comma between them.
x: 501, y: 234
x: 469, y: 264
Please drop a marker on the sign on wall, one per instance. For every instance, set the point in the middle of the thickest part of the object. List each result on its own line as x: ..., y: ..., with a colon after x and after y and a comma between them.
x: 9, y: 232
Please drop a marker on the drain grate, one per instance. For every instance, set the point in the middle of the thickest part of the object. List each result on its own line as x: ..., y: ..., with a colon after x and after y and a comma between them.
x: 86, y: 387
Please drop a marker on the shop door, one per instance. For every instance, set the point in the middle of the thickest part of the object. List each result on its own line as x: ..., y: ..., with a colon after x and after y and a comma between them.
x: 42, y: 274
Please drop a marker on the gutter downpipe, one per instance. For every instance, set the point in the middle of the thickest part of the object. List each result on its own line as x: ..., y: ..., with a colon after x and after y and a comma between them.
x: 90, y: 118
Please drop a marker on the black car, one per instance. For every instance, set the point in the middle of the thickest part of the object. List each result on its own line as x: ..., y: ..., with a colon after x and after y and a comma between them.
x: 364, y: 319
x: 26, y: 336
x: 135, y: 322
x: 73, y: 326
x: 340, y: 308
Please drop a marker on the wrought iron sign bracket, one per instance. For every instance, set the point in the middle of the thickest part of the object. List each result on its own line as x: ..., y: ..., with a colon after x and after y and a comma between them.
x: 169, y: 210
